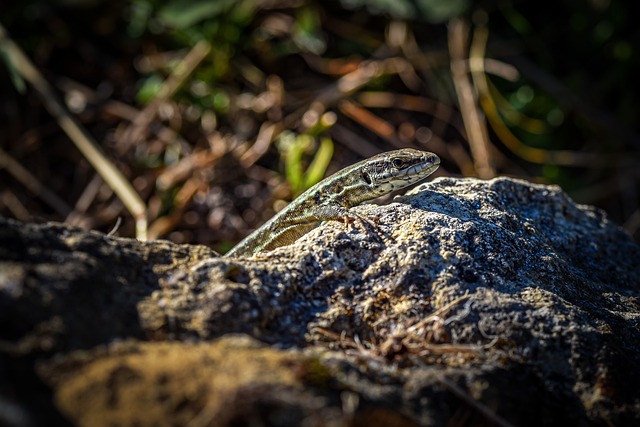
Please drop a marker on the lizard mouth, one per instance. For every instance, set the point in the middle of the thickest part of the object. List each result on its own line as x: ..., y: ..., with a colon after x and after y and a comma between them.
x: 433, y: 159
x: 429, y: 164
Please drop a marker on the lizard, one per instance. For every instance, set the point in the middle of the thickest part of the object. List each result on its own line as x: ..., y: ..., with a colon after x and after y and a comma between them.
x: 331, y: 198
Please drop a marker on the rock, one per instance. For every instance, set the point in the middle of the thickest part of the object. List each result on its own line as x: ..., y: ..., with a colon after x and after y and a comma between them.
x: 486, y: 302
x: 230, y: 381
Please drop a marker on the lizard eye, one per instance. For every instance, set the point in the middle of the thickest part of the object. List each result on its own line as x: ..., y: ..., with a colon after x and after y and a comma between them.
x: 366, y: 177
x: 397, y: 163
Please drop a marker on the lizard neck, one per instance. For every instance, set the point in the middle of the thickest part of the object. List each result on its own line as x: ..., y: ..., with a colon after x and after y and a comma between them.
x: 346, y: 188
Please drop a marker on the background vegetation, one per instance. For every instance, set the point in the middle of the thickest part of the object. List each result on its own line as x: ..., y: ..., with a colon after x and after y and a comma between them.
x: 219, y: 112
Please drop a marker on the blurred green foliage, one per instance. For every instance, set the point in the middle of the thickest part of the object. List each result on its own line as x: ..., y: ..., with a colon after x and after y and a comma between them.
x: 295, y: 148
x: 434, y: 11
x: 16, y: 79
x: 576, y: 87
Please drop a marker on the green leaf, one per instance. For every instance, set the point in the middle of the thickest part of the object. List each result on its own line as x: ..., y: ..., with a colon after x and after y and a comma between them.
x: 293, y: 161
x: 318, y: 167
x: 14, y: 75
x: 139, y: 15
x: 295, y: 148
x: 307, y: 33
x: 180, y: 14
x: 435, y: 11
x: 149, y: 89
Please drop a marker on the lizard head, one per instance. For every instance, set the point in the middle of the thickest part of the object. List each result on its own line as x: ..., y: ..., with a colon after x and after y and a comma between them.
x: 397, y: 169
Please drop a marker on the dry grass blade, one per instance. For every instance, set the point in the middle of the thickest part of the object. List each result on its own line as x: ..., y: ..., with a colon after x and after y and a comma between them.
x: 80, y: 137
x: 474, y: 124
x: 467, y: 398
x: 353, y: 141
x: 14, y: 205
x: 348, y: 85
x: 78, y: 216
x: 187, y: 167
x: 180, y: 73
x: 163, y: 225
x: 438, y: 110
x: 268, y: 131
x: 119, y: 109
x: 32, y: 183
x: 366, y: 118
x: 477, y: 66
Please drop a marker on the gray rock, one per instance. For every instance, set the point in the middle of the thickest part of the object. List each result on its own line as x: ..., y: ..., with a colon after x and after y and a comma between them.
x: 478, y: 302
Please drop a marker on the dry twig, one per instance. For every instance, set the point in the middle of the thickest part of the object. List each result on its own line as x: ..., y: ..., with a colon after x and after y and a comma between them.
x: 474, y: 123
x: 80, y: 137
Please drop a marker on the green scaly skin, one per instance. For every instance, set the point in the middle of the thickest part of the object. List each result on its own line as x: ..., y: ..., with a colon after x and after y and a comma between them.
x: 331, y: 198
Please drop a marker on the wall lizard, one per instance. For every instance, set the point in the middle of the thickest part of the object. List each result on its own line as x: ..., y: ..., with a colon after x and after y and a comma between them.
x: 331, y: 198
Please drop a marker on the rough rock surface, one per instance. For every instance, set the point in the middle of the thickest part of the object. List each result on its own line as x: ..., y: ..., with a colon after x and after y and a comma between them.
x: 472, y: 303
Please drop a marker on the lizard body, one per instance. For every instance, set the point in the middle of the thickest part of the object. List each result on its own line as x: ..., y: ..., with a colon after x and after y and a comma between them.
x: 331, y: 198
